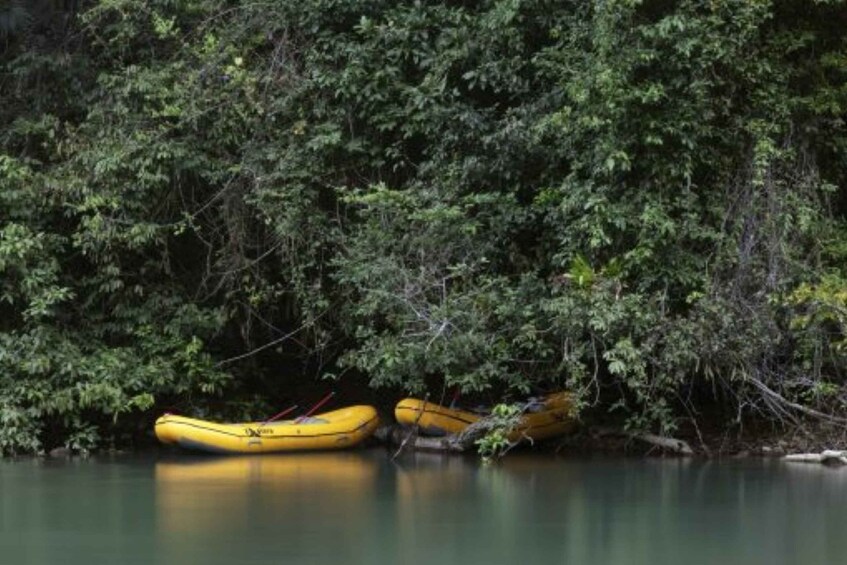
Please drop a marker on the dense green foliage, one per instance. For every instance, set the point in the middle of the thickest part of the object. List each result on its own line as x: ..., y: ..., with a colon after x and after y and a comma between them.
x: 640, y: 200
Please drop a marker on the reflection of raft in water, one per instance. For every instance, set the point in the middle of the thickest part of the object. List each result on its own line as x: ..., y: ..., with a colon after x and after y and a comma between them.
x: 551, y: 416
x: 214, y: 500
x: 332, y: 430
x: 281, y: 472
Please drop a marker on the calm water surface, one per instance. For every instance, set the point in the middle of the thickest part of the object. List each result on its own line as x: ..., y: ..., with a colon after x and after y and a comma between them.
x: 360, y: 507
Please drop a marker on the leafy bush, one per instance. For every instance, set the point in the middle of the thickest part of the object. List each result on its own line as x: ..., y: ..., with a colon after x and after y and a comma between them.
x: 639, y: 200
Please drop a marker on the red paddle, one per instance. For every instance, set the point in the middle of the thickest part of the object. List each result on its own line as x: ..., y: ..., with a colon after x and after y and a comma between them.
x: 323, y: 401
x: 278, y: 416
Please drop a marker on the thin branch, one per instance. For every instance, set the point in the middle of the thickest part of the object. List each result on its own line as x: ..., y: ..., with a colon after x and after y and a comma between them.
x: 413, y: 431
x: 781, y: 400
x: 272, y: 343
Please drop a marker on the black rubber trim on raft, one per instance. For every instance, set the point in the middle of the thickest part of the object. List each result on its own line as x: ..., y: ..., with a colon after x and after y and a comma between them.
x: 298, y: 436
x: 436, y: 411
x: 207, y: 447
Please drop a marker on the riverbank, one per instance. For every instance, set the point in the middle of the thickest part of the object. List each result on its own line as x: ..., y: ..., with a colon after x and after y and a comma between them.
x: 589, y: 441
x: 594, y: 435
x: 760, y: 443
x: 703, y: 440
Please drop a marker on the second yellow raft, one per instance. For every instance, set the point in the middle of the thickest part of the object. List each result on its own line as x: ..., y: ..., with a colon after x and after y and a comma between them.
x: 551, y: 416
x: 331, y: 430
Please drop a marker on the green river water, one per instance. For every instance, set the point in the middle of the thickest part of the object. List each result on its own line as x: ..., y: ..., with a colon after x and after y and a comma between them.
x: 362, y: 507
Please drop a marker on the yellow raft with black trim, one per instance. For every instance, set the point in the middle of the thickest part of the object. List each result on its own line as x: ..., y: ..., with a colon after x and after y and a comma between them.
x: 551, y: 416
x: 331, y: 430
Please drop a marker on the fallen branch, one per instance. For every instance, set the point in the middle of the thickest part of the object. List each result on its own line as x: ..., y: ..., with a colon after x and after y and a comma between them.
x: 457, y: 443
x: 395, y: 434
x: 671, y: 444
x: 825, y: 457
x: 793, y: 405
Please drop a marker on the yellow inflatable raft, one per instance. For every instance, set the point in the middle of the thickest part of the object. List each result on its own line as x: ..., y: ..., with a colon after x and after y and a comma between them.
x: 331, y: 430
x: 551, y: 416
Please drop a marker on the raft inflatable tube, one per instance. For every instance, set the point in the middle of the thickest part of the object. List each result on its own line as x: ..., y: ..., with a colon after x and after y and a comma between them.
x: 338, y: 429
x: 551, y: 416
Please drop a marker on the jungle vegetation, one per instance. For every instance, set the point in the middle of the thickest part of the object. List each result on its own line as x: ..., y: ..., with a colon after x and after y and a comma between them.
x: 205, y: 200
